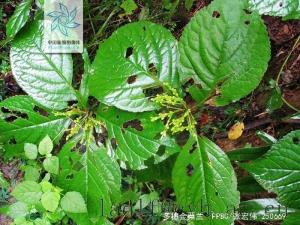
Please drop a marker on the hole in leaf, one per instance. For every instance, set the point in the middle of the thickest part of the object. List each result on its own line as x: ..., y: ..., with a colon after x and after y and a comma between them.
x: 216, y: 14
x: 93, y: 102
x: 5, y: 110
x: 161, y: 150
x: 182, y: 138
x: 105, y: 109
x: 70, y: 176
x: 131, y: 79
x: 189, y: 170
x: 40, y: 111
x: 296, y: 140
x: 247, y: 22
x: 247, y: 11
x: 21, y: 115
x: 82, y: 148
x: 117, y: 116
x: 280, y: 4
x: 102, y: 137
x: 157, y: 136
x: 135, y: 124
x: 129, y: 52
x: 11, y: 119
x: 188, y: 83
x: 152, y: 69
x: 12, y: 141
x: 151, y: 92
x: 71, y: 103
x: 217, y: 193
x: 113, y: 143
x: 193, y: 148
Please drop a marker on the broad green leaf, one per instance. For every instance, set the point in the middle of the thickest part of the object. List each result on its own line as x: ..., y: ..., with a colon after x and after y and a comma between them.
x: 289, y: 9
x: 73, y: 202
x: 203, y: 176
x: 18, y: 19
x: 31, y: 173
x: 223, y: 48
x: 278, y: 170
x: 84, y: 90
x: 129, y: 195
x: 244, y: 154
x: 198, y: 94
x: 68, y: 159
x: 133, y: 137
x: 248, y: 185
x: 296, y: 116
x: 18, y: 210
x: 129, y: 6
x: 46, y: 186
x: 188, y: 4
x: 274, y: 102
x: 43, y: 221
x: 4, y: 210
x: 266, y: 137
x: 104, y: 221
x: 138, y: 56
x: 98, y: 181
x: 161, y: 172
x: 84, y: 219
x: 292, y: 219
x: 264, y: 209
x: 56, y: 216
x: 170, y: 6
x: 28, y: 192
x: 168, y: 223
x: 145, y: 200
x: 45, y: 146
x: 50, y: 201
x: 51, y: 164
x: 31, y: 151
x: 47, y: 78
x: 1, y: 13
x: 22, y: 221
x: 21, y: 122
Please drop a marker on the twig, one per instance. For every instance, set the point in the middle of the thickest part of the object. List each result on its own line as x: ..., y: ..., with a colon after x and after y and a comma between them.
x: 297, y: 42
x: 120, y: 220
x: 240, y: 222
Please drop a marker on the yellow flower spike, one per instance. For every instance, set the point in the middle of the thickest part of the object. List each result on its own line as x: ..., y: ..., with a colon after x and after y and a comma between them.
x: 175, y: 111
x: 155, y: 118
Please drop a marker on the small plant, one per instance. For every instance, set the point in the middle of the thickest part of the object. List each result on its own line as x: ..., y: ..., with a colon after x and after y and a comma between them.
x: 39, y: 201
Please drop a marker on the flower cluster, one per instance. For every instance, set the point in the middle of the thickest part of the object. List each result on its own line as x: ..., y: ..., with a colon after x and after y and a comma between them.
x: 82, y: 121
x: 175, y: 113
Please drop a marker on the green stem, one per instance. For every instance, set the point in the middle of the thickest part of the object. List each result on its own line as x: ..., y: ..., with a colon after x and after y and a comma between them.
x: 297, y: 42
x: 93, y: 42
x: 61, y: 75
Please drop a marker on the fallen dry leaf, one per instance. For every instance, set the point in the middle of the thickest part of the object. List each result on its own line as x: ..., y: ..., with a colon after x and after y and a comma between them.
x: 236, y: 131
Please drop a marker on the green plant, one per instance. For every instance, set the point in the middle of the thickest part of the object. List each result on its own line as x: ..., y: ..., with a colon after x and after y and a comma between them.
x: 141, y: 76
x: 39, y: 201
